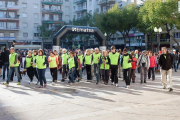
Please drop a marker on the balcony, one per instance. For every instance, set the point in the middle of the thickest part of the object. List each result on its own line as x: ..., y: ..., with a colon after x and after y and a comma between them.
x: 103, y: 2
x: 52, y: 2
x: 6, y: 17
x: 13, y: 7
x: 81, y: 9
x: 10, y: 28
x: 51, y: 20
x: 3, y: 7
x: 51, y: 11
x: 79, y: 1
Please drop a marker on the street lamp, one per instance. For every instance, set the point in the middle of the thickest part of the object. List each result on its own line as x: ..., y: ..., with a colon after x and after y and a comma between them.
x: 139, y: 39
x: 105, y: 34
x: 158, y: 32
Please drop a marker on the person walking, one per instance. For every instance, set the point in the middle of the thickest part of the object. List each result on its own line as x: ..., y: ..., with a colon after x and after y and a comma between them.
x: 126, y: 66
x: 35, y: 53
x: 104, y: 67
x: 114, y: 61
x: 144, y: 63
x: 175, y: 57
x: 1, y: 63
x: 53, y: 65
x: 14, y: 64
x: 80, y: 57
x: 119, y: 66
x: 166, y: 61
x: 65, y: 57
x: 152, y: 66
x: 5, y: 59
x: 41, y: 62
x: 133, y: 68
x: 72, y: 66
x: 28, y: 66
x: 87, y: 61
x: 95, y: 58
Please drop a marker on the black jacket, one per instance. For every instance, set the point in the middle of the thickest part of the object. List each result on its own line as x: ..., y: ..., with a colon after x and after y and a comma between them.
x: 5, y: 56
x: 175, y: 57
x: 166, y: 61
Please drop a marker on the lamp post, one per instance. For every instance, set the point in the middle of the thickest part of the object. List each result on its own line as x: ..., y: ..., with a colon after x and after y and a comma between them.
x: 139, y: 39
x: 158, y: 32
x: 106, y: 38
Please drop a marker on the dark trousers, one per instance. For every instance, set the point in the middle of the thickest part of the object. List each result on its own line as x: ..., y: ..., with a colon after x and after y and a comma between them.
x: 126, y: 74
x: 64, y: 72
x: 105, y: 75
x: 88, y: 71
x: 132, y: 74
x: 30, y: 73
x: 151, y: 70
x: 5, y: 66
x: 12, y: 75
x: 35, y: 73
x: 114, y: 69
x: 41, y: 74
x: 53, y: 73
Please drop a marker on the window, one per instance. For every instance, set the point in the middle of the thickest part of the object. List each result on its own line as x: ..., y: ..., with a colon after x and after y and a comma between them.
x: 90, y: 2
x: 11, y: 25
x: 2, y: 24
x: 1, y: 4
x: 35, y: 5
x: 11, y: 3
x: 36, y: 25
x: 56, y: 17
x: 36, y: 15
x: 25, y: 34
x: 11, y: 14
x: 25, y: 25
x: 12, y: 35
x: 67, y: 0
x: 36, y: 34
x: 24, y: 5
x: 46, y: 7
x: 74, y: 7
x: 46, y: 17
x: 1, y: 34
x: 3, y: 14
x: 24, y: 15
x: 66, y: 7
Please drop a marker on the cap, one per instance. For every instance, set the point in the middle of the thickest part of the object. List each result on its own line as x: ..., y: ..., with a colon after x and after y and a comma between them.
x: 79, y: 52
x: 174, y: 50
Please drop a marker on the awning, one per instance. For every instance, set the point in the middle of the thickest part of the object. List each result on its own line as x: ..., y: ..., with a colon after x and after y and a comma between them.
x: 136, y: 44
x: 7, y: 38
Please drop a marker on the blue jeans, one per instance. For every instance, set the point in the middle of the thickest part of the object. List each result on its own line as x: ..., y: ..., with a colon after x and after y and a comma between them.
x: 12, y: 70
x: 72, y: 71
x: 41, y: 75
x: 175, y: 65
x: 96, y: 72
x: 5, y: 66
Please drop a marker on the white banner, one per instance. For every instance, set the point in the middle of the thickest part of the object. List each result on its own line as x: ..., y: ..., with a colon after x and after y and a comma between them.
x: 102, y: 47
x: 57, y: 48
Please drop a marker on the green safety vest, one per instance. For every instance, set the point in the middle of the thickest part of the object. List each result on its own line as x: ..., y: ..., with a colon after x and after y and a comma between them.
x: 96, y: 57
x: 34, y: 57
x: 12, y: 59
x: 136, y: 56
x: 28, y: 62
x: 39, y: 62
x: 114, y: 58
x: 71, y: 62
x: 81, y: 58
x: 88, y: 60
x: 126, y: 65
x: 53, y: 63
x: 64, y: 58
x: 106, y: 66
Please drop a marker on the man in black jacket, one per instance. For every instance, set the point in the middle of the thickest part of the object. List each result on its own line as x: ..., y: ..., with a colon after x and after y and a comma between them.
x: 5, y: 59
x: 166, y: 62
x: 175, y: 57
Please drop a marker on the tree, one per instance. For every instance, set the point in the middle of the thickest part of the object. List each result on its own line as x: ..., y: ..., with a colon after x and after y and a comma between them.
x: 162, y: 14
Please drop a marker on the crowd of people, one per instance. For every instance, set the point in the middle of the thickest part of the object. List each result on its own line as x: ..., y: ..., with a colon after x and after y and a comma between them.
x: 105, y: 65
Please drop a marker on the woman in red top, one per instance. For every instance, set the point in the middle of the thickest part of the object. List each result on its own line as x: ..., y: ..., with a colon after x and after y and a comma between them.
x: 133, y: 68
x: 152, y: 66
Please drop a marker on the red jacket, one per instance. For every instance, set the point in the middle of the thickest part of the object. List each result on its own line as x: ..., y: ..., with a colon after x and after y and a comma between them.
x: 152, y: 61
x: 134, y: 61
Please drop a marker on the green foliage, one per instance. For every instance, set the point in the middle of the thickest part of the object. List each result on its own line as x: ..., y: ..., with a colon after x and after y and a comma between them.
x: 44, y: 31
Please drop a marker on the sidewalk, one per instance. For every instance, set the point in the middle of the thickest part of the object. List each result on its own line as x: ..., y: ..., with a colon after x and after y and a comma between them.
x: 88, y: 101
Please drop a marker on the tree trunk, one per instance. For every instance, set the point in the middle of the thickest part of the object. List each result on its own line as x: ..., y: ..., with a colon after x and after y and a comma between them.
x: 174, y: 40
x: 124, y: 41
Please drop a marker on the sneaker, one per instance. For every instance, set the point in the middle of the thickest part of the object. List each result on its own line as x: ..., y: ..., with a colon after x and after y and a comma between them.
x: 18, y: 83
x: 11, y: 81
x: 45, y: 85
x: 30, y: 82
x: 69, y: 82
x: 116, y: 85
x: 5, y: 84
x: 78, y: 80
x: 164, y: 87
x: 40, y: 86
x: 127, y: 86
x: 141, y: 82
x: 89, y: 80
x: 133, y: 81
x: 112, y: 83
x: 153, y: 79
x: 53, y: 83
x: 62, y: 80
x: 97, y: 83
x: 170, y: 90
x: 145, y: 82
x: 37, y: 83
